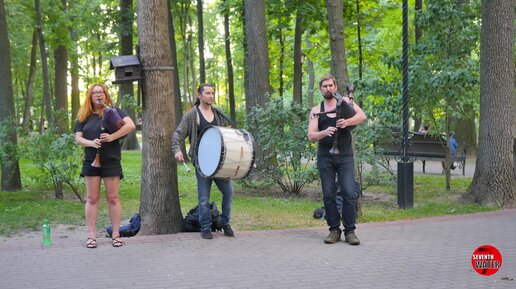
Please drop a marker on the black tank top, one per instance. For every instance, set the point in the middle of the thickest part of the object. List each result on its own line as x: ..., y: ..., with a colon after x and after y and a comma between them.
x: 325, y: 144
x: 203, y: 123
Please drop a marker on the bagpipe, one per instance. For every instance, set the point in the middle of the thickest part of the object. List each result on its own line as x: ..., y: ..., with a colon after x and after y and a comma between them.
x: 111, y: 122
x: 343, y: 110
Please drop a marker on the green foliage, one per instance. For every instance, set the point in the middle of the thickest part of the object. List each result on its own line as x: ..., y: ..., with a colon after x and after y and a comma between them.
x: 368, y: 139
x: 445, y: 63
x: 129, y: 103
x: 379, y: 98
x: 56, y: 156
x: 8, y: 149
x: 283, y: 133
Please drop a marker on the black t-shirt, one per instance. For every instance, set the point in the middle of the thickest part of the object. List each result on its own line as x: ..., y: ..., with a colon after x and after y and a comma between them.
x: 91, y: 129
x: 344, y: 137
x: 203, y: 123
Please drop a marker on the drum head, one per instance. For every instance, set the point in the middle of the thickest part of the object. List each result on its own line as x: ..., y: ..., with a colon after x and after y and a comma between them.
x: 209, y: 151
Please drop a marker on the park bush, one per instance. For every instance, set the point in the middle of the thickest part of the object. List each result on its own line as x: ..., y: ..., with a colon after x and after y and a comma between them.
x: 57, y: 157
x: 282, y: 135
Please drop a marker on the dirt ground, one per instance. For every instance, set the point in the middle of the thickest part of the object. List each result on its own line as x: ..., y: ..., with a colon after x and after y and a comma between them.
x: 59, y: 233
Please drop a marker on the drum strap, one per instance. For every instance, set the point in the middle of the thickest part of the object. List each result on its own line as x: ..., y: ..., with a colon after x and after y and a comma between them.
x: 228, y: 120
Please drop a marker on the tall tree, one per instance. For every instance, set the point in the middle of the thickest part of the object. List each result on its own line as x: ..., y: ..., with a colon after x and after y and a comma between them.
x: 159, y: 204
x: 494, y: 181
x: 279, y: 19
x: 47, y: 102
x: 191, y: 58
x: 30, y: 83
x: 298, y: 69
x: 200, y: 42
x: 311, y: 78
x: 183, y: 27
x: 229, y: 63
x: 127, y: 88
x: 11, y: 180
x: 178, y: 108
x: 74, y: 74
x: 258, y: 89
x: 417, y: 27
x: 359, y: 39
x: 418, y: 33
x: 339, y: 66
x: 61, y: 72
x: 466, y: 130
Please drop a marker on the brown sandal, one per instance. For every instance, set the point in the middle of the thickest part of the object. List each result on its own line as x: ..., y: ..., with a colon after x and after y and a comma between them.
x: 117, y: 242
x: 91, y: 243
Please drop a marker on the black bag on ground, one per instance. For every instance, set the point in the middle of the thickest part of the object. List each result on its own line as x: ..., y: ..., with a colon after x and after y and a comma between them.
x: 191, y: 221
x: 127, y: 230
x: 320, y: 213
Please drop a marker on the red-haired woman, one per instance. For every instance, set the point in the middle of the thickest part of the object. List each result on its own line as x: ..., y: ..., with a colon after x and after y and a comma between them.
x: 89, y: 134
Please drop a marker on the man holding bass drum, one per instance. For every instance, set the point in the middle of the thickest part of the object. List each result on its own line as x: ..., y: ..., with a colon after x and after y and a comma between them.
x: 220, y: 154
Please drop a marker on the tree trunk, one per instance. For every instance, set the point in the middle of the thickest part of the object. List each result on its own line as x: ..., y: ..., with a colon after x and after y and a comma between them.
x: 99, y: 57
x: 281, y: 62
x: 193, y: 87
x: 61, y: 79
x: 183, y: 21
x: 11, y: 180
x: 200, y: 42
x: 466, y: 132
x: 419, y: 8
x: 494, y: 181
x: 27, y: 118
x: 246, y: 57
x: 47, y: 102
x: 339, y: 66
x: 229, y: 65
x: 311, y: 78
x: 258, y: 88
x: 126, y: 48
x: 126, y: 44
x: 359, y: 38
x: 178, y: 107
x: 74, y: 73
x: 298, y: 66
x: 159, y: 203
x: 61, y: 88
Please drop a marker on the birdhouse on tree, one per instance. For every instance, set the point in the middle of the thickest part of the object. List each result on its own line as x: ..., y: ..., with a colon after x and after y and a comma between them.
x: 127, y: 68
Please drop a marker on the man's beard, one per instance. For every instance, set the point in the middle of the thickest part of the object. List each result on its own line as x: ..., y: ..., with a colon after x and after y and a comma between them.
x: 328, y: 95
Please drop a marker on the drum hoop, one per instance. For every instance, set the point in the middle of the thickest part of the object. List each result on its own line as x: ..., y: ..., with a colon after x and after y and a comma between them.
x: 222, y: 152
x: 253, y: 145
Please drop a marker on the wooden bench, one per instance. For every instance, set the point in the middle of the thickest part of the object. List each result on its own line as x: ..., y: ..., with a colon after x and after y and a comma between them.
x: 425, y: 148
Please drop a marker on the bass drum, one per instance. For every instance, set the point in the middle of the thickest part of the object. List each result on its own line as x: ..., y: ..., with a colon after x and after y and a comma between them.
x: 225, y: 153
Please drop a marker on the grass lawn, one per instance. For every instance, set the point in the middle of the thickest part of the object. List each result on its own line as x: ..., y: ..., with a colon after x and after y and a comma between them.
x: 253, y: 209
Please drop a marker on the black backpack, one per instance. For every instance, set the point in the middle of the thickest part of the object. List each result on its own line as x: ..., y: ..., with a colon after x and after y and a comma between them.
x: 127, y: 230
x: 320, y: 213
x: 191, y: 221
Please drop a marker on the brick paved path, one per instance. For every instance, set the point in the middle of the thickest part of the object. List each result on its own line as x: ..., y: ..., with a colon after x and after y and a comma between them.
x: 426, y: 253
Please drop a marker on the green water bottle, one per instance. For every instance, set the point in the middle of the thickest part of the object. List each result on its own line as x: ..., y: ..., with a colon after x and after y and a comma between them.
x: 47, y: 241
